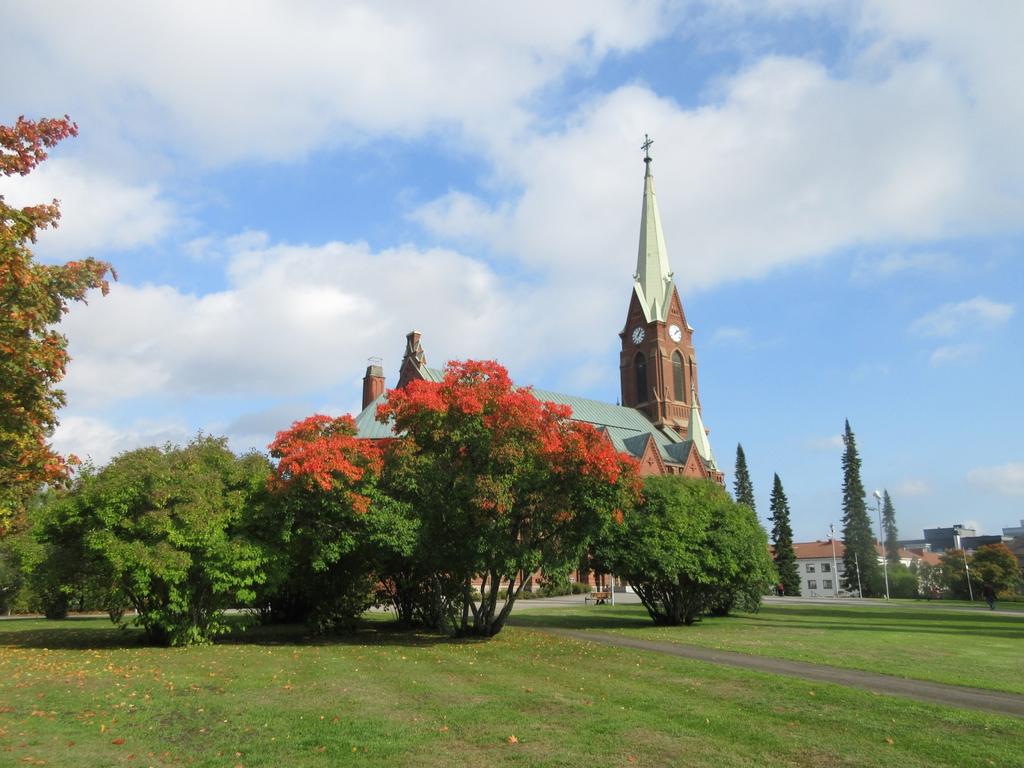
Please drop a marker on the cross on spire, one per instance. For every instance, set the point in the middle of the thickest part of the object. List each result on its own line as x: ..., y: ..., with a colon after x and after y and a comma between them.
x: 646, y: 147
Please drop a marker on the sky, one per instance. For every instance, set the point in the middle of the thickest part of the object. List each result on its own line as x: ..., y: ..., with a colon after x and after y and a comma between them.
x: 287, y: 190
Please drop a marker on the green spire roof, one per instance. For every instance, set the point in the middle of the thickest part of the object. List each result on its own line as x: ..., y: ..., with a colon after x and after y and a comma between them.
x: 696, y: 432
x: 653, y: 278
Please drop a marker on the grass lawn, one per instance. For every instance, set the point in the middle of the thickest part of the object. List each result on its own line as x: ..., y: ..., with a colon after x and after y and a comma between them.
x: 79, y: 693
x: 978, y: 649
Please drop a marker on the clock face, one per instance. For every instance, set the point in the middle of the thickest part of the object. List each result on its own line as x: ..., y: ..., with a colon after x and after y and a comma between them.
x: 675, y: 332
x: 638, y: 335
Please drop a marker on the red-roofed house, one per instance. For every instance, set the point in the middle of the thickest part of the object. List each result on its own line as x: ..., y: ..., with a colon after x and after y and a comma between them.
x: 820, y: 565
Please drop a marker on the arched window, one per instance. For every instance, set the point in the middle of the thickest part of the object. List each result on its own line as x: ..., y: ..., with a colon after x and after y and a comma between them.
x: 640, y: 367
x: 678, y: 378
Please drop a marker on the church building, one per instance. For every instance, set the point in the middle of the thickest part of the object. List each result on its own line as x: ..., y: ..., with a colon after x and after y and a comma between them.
x: 659, y: 422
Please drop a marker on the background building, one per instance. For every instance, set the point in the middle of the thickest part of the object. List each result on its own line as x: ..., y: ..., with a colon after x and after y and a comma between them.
x: 820, y: 572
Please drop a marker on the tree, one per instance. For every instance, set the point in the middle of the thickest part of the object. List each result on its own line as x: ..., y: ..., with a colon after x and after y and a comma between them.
x: 782, y: 541
x: 996, y: 564
x: 892, y: 547
x: 743, y: 489
x: 33, y: 298
x: 504, y: 485
x: 929, y: 579
x: 903, y: 581
x: 688, y: 549
x: 953, y: 574
x: 857, y: 535
x: 163, y: 527
x: 336, y: 532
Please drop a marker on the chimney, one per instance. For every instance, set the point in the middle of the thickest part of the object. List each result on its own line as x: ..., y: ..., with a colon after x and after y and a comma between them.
x: 373, y: 381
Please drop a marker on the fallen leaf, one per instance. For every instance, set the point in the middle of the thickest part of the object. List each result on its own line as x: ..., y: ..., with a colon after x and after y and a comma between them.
x: 118, y: 741
x: 513, y: 740
x: 889, y: 741
x: 630, y: 758
x: 444, y: 729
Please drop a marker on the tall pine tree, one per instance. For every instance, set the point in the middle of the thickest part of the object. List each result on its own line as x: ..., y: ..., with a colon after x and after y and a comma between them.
x: 891, y: 535
x: 782, y: 540
x: 858, y: 538
x: 742, y: 488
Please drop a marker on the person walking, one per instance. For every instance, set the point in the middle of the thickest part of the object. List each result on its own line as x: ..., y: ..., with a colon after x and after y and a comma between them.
x: 989, y: 593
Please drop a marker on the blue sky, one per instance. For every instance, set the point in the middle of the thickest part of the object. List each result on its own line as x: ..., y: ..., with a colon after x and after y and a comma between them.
x: 286, y: 192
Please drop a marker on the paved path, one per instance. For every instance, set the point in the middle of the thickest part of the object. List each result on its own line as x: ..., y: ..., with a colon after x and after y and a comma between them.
x: 935, y: 693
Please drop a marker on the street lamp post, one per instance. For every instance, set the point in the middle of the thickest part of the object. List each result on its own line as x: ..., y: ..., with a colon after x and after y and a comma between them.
x: 835, y: 565
x: 885, y: 559
x: 967, y: 570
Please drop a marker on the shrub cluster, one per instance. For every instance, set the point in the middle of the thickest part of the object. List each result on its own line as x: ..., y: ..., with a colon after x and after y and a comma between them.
x: 445, y: 525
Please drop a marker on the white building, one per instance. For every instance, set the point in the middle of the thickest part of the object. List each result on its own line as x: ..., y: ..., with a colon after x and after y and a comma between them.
x: 821, y: 572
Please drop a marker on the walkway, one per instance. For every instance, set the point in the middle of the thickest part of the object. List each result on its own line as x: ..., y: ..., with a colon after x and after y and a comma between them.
x: 1011, y: 704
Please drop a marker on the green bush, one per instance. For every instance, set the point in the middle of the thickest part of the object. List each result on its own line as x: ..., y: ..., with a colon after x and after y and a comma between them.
x: 689, y: 549
x: 902, y: 582
x: 160, y: 530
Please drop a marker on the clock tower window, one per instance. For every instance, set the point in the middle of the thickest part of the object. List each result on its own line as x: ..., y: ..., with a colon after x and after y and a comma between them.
x: 678, y: 383
x: 640, y: 368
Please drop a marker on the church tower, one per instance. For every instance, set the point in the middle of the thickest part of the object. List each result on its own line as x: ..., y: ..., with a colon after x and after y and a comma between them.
x: 658, y: 364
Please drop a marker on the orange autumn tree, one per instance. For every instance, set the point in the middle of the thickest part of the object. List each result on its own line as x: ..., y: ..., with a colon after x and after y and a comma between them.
x: 504, y: 485
x: 33, y: 298
x: 335, y: 526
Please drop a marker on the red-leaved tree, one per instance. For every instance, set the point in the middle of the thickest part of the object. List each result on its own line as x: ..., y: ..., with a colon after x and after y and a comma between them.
x: 33, y: 298
x: 504, y: 485
x: 335, y: 525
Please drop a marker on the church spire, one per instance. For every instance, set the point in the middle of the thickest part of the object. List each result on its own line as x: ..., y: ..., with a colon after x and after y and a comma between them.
x: 697, y: 434
x: 653, y: 277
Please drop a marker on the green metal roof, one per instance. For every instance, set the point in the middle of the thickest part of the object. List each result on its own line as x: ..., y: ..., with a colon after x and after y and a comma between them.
x: 627, y: 427
x: 367, y: 425
x: 653, y: 277
x: 432, y: 374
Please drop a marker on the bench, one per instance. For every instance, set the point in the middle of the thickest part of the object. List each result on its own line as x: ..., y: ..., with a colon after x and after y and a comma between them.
x: 598, y: 598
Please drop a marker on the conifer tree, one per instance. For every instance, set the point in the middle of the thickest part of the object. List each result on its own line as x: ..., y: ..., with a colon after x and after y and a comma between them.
x: 858, y: 538
x: 892, y: 548
x: 742, y: 488
x: 782, y: 540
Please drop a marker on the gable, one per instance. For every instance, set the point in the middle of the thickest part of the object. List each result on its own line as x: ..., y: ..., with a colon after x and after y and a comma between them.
x: 650, y: 459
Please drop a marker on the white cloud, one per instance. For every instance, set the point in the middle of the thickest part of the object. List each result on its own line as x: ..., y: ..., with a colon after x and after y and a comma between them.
x: 100, y: 440
x: 300, y: 318
x: 950, y: 354
x: 98, y: 212
x: 1004, y: 480
x: 898, y: 263
x: 974, y: 314
x: 461, y: 216
x: 787, y: 163
x: 280, y: 79
x: 784, y: 161
x: 911, y: 487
